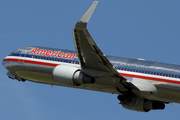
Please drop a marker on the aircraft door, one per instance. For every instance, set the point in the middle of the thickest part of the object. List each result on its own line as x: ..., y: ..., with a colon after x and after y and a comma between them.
x: 23, y: 54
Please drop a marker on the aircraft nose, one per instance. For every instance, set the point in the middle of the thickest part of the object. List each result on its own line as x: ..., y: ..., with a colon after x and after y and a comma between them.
x: 5, y: 62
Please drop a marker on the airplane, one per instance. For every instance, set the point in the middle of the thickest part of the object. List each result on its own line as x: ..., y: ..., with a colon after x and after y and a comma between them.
x: 140, y: 85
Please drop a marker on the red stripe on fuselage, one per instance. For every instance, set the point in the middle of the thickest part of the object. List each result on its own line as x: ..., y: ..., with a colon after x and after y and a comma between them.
x: 11, y: 59
x: 150, y: 78
x: 31, y: 62
x: 40, y: 63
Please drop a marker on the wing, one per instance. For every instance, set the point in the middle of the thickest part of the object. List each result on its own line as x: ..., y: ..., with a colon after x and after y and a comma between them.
x: 132, y: 92
x: 91, y: 58
x: 94, y: 63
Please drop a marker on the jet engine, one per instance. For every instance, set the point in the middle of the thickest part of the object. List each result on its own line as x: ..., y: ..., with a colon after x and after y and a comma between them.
x: 70, y: 75
x: 141, y: 104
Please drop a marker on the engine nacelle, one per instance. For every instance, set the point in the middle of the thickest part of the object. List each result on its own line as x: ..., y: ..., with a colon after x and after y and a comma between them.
x: 70, y: 75
x: 142, y: 105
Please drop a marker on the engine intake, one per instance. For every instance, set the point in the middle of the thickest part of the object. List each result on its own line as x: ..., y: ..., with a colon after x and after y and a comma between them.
x: 70, y: 75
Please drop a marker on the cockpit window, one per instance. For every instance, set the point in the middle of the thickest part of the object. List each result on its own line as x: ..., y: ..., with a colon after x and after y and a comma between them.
x: 11, y: 54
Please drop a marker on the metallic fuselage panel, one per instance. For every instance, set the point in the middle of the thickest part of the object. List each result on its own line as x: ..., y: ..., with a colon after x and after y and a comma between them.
x: 37, y: 67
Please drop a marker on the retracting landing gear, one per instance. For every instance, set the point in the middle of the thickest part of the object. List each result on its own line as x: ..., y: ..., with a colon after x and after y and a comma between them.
x: 124, y: 98
x: 12, y: 76
x: 136, y: 103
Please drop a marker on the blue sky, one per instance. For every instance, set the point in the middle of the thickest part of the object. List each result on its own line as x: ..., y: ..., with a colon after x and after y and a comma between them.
x: 132, y: 29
